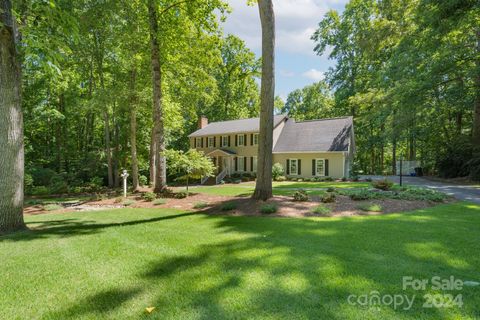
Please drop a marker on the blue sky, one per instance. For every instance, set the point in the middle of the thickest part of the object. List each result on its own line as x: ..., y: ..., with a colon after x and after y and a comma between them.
x: 296, y: 20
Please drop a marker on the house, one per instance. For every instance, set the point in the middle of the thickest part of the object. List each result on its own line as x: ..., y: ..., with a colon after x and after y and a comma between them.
x: 315, y: 148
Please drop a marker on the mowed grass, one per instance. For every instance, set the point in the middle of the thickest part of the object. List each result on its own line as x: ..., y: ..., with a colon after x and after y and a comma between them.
x: 114, y: 264
x: 286, y: 188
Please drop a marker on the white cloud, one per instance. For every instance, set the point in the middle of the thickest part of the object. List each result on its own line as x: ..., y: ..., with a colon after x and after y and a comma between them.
x: 314, y: 75
x: 296, y: 21
x: 286, y: 73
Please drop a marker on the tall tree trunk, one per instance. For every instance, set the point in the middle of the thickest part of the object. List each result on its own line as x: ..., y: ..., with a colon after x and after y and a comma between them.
x: 133, y: 128
x: 476, y: 116
x: 160, y: 163
x: 116, y: 151
x: 108, y: 152
x: 263, y: 187
x: 153, y: 149
x: 11, y: 127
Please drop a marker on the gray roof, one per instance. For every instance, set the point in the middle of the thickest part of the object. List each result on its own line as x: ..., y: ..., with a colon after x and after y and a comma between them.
x: 315, y: 135
x: 234, y: 126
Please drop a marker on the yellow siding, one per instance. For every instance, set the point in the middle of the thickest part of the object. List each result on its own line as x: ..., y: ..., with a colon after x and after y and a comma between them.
x: 335, y: 162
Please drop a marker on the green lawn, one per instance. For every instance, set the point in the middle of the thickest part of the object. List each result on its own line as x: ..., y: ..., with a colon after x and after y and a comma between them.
x: 279, y: 188
x: 114, y: 264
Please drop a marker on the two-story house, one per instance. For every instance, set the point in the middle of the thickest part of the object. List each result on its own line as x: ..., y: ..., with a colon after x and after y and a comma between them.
x: 316, y: 148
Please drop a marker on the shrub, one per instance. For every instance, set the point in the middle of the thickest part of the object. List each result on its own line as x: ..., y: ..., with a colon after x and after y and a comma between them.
x: 384, y: 184
x: 268, y: 208
x: 236, y: 181
x: 143, y: 180
x: 28, y: 181
x: 322, y: 210
x: 328, y: 197
x: 362, y: 194
x: 245, y: 179
x: 370, y: 207
x: 331, y: 189
x: 128, y: 202
x: 229, y: 206
x: 39, y: 191
x: 52, y: 207
x: 42, y: 176
x: 149, y: 196
x: 200, y: 205
x: 300, y: 195
x: 355, y: 178
x: 368, y: 179
x: 277, y: 171
x: 158, y: 202
x: 344, y: 178
x: 117, y: 199
x: 180, y: 195
x: 281, y: 179
x: 58, y: 183
x: 329, y: 179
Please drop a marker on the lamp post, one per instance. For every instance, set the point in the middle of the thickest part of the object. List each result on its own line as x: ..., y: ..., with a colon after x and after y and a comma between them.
x: 124, y: 175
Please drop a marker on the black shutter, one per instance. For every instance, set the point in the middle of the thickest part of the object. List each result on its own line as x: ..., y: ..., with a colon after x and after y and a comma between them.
x: 299, y: 167
x: 288, y: 166
x: 201, y: 142
x: 214, y: 141
x: 236, y: 140
x: 251, y: 164
x: 326, y: 167
x: 236, y: 164
x: 251, y: 139
x: 194, y: 142
x: 313, y: 167
x: 244, y: 163
x: 245, y: 141
x: 229, y: 141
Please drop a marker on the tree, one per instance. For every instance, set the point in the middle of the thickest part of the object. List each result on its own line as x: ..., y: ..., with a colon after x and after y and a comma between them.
x: 191, y: 164
x: 263, y: 186
x: 11, y: 126
x: 309, y: 103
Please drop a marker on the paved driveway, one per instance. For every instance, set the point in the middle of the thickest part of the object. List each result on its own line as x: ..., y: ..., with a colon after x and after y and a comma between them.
x: 462, y: 192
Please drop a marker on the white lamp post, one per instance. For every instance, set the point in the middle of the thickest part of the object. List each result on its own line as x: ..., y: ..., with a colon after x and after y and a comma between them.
x: 124, y: 175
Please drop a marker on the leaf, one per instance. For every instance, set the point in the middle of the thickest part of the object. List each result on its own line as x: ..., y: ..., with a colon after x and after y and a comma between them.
x: 150, y: 309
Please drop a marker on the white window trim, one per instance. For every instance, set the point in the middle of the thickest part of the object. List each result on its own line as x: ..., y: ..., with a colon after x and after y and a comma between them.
x: 238, y: 140
x: 224, y: 141
x: 290, y: 169
x: 316, y: 167
x: 255, y: 139
x: 254, y: 169
x: 240, y: 160
x: 198, y: 142
x: 210, y: 139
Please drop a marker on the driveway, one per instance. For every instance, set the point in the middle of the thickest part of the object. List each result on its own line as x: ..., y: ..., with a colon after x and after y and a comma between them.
x: 462, y: 192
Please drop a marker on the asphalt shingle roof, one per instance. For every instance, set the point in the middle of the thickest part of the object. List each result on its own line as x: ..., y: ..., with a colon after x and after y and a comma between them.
x: 315, y: 135
x: 234, y: 126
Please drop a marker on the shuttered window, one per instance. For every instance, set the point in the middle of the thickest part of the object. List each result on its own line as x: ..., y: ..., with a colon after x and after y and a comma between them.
x: 240, y: 163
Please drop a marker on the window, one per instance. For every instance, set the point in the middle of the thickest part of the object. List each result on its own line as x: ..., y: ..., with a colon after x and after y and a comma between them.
x: 254, y: 167
x: 240, y: 164
x: 241, y: 140
x: 255, y: 139
x: 198, y: 142
x: 293, y: 166
x: 224, y: 141
x: 211, y: 142
x: 319, y: 167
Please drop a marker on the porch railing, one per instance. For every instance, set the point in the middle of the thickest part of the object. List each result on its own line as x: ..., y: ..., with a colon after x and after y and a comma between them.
x: 220, y: 176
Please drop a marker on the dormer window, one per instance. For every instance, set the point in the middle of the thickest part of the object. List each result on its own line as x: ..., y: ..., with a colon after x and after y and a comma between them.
x: 241, y: 140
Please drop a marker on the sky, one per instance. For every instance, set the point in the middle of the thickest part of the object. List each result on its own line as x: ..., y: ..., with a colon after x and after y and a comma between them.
x: 296, y: 64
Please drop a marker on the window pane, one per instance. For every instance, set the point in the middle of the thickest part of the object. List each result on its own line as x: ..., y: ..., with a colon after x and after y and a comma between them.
x: 293, y: 166
x: 320, y: 169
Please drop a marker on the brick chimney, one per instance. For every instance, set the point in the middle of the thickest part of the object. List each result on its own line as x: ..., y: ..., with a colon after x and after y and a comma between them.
x: 202, y: 122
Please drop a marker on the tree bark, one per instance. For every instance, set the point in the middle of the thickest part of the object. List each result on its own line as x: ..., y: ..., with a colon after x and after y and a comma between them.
x: 160, y: 163
x: 108, y: 152
x: 476, y: 115
x: 263, y: 187
x: 11, y: 126
x: 133, y: 128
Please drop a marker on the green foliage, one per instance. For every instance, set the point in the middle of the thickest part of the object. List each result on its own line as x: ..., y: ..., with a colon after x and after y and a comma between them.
x: 191, y: 164
x: 300, y: 195
x: 200, y: 205
x: 228, y: 206
x: 277, y: 171
x: 331, y: 189
x: 39, y: 191
x: 268, y: 208
x: 384, y: 184
x: 312, y: 102
x: 372, y: 207
x: 322, y: 210
x: 128, y: 202
x: 328, y: 197
x: 361, y: 194
x: 149, y: 196
x: 143, y: 180
x: 180, y: 195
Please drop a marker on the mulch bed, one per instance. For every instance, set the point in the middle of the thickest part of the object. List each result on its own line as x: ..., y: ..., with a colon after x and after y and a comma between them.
x: 343, y: 205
